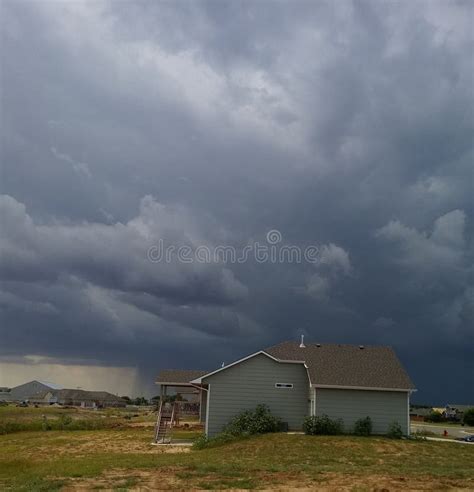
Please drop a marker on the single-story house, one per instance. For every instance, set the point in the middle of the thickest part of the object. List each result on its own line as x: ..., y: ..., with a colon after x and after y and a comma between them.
x: 43, y: 398
x: 45, y: 393
x: 455, y: 412
x: 88, y: 399
x: 297, y: 380
x: 419, y: 414
x: 4, y: 393
x: 25, y: 391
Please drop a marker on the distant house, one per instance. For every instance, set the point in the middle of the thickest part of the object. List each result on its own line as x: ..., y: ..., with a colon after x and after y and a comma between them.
x: 46, y: 397
x: 25, y: 391
x: 46, y: 393
x: 4, y: 393
x: 88, y: 399
x: 453, y: 411
x: 297, y: 380
x: 419, y: 414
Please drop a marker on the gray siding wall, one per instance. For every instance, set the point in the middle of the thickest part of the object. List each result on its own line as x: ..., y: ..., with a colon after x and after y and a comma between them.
x: 203, y: 406
x: 383, y: 407
x: 245, y: 385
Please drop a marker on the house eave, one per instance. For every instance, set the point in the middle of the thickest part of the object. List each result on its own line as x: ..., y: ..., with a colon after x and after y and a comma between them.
x: 364, y: 388
x: 171, y: 383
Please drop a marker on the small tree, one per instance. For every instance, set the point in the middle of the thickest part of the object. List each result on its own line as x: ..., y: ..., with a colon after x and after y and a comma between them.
x: 141, y: 400
x: 468, y: 417
x: 363, y: 427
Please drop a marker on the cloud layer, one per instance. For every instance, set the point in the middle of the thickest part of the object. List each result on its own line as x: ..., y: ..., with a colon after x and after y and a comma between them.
x: 343, y: 125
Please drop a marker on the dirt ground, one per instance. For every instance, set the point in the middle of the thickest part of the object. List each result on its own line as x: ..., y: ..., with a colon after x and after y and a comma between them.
x: 169, y: 478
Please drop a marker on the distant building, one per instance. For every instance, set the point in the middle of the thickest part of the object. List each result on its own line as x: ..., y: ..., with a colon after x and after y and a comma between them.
x: 420, y: 412
x: 4, y: 393
x: 455, y: 412
x: 47, y: 393
x: 88, y: 399
x: 25, y: 391
x: 43, y: 398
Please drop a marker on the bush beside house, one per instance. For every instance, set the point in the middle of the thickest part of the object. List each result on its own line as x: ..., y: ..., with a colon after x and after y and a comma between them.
x: 363, y: 427
x: 395, y: 431
x: 258, y: 421
x: 323, y: 425
x: 246, y: 423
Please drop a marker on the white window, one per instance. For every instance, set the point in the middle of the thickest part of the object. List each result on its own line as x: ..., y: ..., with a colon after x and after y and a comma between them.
x: 284, y: 385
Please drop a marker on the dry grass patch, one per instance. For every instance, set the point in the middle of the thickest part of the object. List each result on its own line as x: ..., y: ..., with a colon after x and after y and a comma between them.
x: 176, y: 478
x: 124, y: 459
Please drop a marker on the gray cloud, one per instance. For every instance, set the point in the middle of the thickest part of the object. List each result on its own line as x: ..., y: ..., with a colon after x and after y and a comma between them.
x: 347, y: 125
x: 113, y: 256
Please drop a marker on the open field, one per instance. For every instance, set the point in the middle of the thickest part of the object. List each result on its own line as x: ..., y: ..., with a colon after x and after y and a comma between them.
x: 13, y: 419
x: 121, y: 458
x: 28, y: 414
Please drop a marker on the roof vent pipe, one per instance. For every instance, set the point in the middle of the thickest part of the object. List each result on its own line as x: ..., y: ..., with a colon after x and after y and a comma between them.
x: 223, y: 364
x: 302, y: 345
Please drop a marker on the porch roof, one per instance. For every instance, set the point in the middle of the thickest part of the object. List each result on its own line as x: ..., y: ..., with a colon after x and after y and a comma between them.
x: 178, y: 377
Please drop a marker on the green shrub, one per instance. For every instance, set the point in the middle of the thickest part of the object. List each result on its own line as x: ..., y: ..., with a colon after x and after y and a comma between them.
x: 395, y: 430
x: 64, y: 421
x: 363, y: 427
x: 258, y: 421
x: 468, y: 417
x: 45, y: 425
x: 322, y: 426
x: 249, y: 422
x: 435, y: 416
x: 421, y: 435
x: 201, y: 442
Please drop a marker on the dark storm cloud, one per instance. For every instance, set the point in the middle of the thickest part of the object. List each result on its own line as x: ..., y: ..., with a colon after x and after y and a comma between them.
x: 346, y: 125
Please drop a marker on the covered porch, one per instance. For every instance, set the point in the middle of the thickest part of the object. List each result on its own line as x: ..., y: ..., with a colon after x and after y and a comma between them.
x: 193, y: 399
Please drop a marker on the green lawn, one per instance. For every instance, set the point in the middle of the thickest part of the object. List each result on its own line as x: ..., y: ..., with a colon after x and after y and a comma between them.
x: 123, y: 459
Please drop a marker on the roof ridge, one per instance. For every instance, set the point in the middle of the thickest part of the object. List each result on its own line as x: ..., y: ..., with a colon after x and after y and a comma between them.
x: 334, y: 344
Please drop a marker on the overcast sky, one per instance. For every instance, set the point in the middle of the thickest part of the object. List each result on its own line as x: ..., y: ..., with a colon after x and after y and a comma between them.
x: 343, y: 125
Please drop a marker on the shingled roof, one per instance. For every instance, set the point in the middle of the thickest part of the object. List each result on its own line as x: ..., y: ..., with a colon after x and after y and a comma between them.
x: 78, y: 394
x: 178, y: 376
x: 347, y: 365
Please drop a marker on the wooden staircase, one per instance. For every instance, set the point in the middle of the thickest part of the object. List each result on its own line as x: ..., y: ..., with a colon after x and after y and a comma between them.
x: 164, y: 423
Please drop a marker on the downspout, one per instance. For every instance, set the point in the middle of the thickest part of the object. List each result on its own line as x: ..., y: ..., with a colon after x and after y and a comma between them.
x: 314, y: 401
x: 311, y: 411
x: 208, y: 402
x: 408, y: 414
